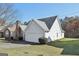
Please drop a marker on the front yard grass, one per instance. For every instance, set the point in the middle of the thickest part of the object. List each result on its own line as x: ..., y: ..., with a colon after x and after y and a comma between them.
x: 34, y: 50
x: 66, y: 46
x: 70, y: 46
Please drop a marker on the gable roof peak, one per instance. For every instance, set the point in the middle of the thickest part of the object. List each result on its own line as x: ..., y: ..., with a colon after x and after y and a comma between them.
x: 42, y: 25
x: 49, y: 21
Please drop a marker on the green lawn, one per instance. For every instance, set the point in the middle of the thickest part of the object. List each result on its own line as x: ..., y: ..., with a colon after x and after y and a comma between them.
x: 66, y: 46
x: 70, y: 46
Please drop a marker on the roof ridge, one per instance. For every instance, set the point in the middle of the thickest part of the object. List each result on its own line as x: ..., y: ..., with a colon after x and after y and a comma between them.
x: 48, y: 17
x: 48, y: 20
x: 40, y: 21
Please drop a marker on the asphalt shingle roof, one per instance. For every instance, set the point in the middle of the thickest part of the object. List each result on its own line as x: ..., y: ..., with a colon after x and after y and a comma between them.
x: 46, y: 23
x: 49, y: 21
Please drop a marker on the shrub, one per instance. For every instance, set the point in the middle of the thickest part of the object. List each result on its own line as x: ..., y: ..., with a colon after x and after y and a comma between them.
x: 20, y: 38
x: 12, y: 38
x: 43, y: 40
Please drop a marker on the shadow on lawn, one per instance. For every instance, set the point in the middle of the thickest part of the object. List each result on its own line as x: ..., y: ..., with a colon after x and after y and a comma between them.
x: 69, y: 47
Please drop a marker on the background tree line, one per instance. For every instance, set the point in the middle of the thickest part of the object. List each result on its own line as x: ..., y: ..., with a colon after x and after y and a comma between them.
x: 71, y: 26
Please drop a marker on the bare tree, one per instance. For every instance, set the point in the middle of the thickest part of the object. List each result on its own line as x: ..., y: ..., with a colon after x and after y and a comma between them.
x: 7, y: 13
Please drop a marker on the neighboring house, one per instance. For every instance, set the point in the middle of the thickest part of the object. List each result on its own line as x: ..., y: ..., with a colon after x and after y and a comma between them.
x: 7, y: 34
x: 16, y: 31
x: 2, y: 28
x: 10, y: 31
x: 49, y: 27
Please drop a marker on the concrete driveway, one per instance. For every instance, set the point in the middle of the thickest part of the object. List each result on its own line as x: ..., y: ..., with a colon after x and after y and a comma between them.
x: 7, y: 44
x: 12, y: 45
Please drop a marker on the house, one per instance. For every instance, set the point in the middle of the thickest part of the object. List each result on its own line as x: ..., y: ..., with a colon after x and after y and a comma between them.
x: 49, y: 27
x: 2, y: 28
x: 7, y: 34
x: 15, y: 31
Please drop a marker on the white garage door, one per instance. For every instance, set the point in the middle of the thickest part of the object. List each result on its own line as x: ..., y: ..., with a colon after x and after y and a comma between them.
x: 33, y: 37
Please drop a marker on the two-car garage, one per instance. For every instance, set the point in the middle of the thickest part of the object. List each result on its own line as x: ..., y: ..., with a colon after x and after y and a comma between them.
x: 33, y: 32
x: 33, y: 37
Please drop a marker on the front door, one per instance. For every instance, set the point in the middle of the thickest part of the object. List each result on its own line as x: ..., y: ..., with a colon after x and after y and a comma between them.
x: 7, y: 34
